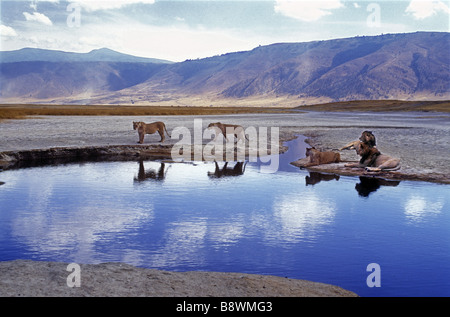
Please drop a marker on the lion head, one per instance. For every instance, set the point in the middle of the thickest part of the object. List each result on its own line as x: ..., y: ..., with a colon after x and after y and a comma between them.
x: 368, y: 138
x: 137, y: 124
x: 310, y: 151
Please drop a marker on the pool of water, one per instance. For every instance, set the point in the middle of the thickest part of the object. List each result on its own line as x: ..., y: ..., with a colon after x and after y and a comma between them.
x: 233, y: 218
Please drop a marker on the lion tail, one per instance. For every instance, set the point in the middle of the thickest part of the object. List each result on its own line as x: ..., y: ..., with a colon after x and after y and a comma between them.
x: 166, y: 131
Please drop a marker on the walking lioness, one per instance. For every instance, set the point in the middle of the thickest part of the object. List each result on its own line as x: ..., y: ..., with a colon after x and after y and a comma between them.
x: 150, y: 128
x: 236, y: 130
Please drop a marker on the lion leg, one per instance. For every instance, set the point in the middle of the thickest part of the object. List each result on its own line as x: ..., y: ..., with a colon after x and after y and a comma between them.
x: 373, y: 169
x: 161, y: 134
x: 312, y: 162
x: 217, y: 132
x: 337, y: 158
x: 241, y: 137
x: 350, y: 145
x: 390, y: 165
x: 226, y: 138
x: 141, y: 138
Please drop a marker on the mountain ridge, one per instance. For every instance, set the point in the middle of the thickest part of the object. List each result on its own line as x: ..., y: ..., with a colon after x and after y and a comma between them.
x: 104, y: 54
x: 406, y: 66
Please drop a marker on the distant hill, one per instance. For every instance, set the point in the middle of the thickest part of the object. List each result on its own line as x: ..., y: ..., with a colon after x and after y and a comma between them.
x: 412, y: 66
x: 98, y: 55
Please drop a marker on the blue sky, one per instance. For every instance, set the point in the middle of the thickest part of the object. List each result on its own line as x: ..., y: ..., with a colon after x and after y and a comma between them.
x: 179, y: 30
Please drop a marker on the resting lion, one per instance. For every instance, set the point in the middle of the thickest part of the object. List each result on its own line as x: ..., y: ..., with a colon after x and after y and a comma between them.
x: 150, y: 128
x: 236, y: 130
x: 371, y: 159
x: 318, y: 158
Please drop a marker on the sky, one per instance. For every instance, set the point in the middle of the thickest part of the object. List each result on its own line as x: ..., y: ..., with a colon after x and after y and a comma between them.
x: 177, y: 30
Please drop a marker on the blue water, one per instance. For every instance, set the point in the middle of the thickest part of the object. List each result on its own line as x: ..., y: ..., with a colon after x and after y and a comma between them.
x: 184, y: 216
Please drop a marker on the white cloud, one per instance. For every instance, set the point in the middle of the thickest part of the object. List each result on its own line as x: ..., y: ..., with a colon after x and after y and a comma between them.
x: 7, y: 31
x: 33, y: 4
x: 179, y: 43
x: 95, y: 5
x: 421, y: 9
x: 38, y: 17
x: 306, y: 10
x: 303, y: 215
x: 171, y: 43
x: 417, y: 208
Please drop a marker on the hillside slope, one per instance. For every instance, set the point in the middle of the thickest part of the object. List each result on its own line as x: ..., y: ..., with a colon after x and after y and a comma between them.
x: 412, y: 66
x: 391, y: 66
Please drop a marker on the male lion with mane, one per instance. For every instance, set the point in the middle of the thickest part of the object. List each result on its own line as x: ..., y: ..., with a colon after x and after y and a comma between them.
x: 150, y: 128
x: 371, y: 159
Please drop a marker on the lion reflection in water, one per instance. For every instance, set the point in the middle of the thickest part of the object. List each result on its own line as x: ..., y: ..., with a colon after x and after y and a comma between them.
x: 150, y: 174
x: 316, y: 177
x: 365, y: 187
x: 368, y: 185
x: 237, y: 170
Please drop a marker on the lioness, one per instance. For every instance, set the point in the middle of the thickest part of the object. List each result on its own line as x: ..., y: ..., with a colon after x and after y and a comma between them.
x: 318, y: 158
x: 372, y: 160
x: 236, y: 130
x: 150, y: 128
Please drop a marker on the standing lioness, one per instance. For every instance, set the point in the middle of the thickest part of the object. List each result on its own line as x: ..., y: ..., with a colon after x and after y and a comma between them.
x: 236, y: 130
x: 150, y: 128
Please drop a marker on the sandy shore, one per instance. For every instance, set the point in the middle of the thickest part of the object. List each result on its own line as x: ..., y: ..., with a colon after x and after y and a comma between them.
x: 420, y: 140
x: 30, y: 278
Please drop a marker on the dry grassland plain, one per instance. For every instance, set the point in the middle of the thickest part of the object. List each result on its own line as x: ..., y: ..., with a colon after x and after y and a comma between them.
x: 24, y: 111
x: 21, y: 111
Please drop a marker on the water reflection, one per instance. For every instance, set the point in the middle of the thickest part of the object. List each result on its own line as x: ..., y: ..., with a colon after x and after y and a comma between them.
x: 303, y: 216
x: 365, y: 187
x: 291, y: 223
x: 316, y: 177
x: 237, y: 170
x: 418, y: 208
x: 183, y: 243
x: 76, y: 234
x: 150, y: 174
x: 368, y: 185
